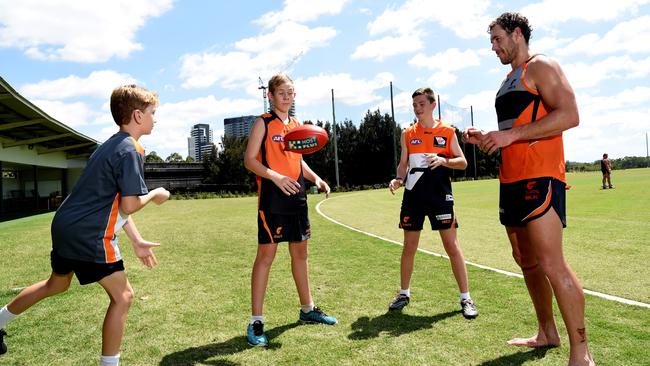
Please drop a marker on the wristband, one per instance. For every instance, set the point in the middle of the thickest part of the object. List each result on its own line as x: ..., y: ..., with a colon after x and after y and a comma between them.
x: 400, y: 178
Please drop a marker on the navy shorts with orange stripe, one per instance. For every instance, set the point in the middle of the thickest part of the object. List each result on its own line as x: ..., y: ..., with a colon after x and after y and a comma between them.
x: 273, y: 228
x: 525, y: 200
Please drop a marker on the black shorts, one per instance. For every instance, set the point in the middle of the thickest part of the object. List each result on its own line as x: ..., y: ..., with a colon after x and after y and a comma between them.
x: 274, y: 228
x: 440, y: 218
x: 525, y: 200
x: 86, y: 272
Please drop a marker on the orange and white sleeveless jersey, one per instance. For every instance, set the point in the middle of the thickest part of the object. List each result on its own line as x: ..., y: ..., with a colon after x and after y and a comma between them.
x: 516, y: 105
x: 273, y: 156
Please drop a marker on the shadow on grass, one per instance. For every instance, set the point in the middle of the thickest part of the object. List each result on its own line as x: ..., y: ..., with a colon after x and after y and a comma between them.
x: 202, y: 354
x: 395, y: 323
x: 518, y: 358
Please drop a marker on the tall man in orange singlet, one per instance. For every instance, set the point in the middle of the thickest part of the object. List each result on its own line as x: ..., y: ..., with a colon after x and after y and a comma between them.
x: 534, y: 105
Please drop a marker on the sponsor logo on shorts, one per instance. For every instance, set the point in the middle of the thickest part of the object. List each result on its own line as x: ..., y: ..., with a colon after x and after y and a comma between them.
x: 416, y: 141
x: 278, y: 233
x: 443, y: 217
x: 439, y: 141
x: 449, y: 197
x: 277, y: 138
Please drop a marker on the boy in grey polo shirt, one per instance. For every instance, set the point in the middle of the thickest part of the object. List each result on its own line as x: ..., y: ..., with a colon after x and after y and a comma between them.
x: 84, y: 240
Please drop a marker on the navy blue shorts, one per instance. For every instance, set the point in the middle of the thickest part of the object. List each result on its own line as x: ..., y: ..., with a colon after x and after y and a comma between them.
x: 86, y: 272
x: 440, y: 218
x: 525, y: 200
x: 274, y: 228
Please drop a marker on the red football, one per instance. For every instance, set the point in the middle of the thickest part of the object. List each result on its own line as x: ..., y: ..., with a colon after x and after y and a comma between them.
x: 305, y: 139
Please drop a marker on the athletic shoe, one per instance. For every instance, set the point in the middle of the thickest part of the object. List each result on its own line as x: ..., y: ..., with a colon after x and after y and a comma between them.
x: 469, y: 309
x: 399, y: 302
x: 3, y: 346
x: 317, y: 316
x: 255, y: 334
x: 612, y: 187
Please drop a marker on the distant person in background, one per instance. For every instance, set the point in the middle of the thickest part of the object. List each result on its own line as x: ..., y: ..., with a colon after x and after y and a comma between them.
x: 606, y: 168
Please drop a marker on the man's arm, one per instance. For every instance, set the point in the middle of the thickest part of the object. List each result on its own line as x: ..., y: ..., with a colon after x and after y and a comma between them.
x: 132, y: 204
x: 311, y: 176
x: 141, y: 247
x: 558, y: 98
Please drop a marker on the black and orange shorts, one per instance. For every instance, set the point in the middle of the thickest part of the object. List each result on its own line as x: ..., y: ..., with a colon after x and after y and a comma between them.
x: 273, y: 228
x: 440, y: 218
x: 525, y: 200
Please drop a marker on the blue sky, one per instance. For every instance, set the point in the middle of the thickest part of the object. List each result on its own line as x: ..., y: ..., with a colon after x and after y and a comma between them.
x: 205, y: 57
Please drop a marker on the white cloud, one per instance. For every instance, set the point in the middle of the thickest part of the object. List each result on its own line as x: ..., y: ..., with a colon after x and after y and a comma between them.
x: 584, y: 75
x: 301, y: 11
x: 626, y: 37
x: 481, y: 101
x: 410, y: 17
x: 406, y: 26
x: 255, y: 57
x: 548, y: 13
x: 99, y: 84
x: 79, y: 31
x: 71, y: 114
x: 449, y: 60
x: 388, y: 46
x: 354, y: 92
x: 174, y: 120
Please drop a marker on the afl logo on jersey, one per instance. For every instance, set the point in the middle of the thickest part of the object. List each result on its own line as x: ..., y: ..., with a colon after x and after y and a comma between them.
x: 277, y: 138
x: 416, y: 141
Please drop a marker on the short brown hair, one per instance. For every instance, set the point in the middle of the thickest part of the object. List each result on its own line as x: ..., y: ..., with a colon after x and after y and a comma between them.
x: 127, y: 98
x: 425, y: 91
x: 510, y: 21
x: 277, y: 80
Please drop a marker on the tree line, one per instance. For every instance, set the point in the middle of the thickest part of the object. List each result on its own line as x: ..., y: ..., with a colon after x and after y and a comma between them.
x: 366, y: 155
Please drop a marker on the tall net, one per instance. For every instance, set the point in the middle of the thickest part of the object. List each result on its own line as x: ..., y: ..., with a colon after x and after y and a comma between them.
x: 459, y: 117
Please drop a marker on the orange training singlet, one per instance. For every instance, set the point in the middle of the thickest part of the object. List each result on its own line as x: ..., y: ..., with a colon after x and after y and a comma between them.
x: 516, y: 105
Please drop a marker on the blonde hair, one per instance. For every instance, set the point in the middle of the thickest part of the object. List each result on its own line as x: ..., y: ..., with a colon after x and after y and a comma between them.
x: 277, y: 80
x: 127, y: 98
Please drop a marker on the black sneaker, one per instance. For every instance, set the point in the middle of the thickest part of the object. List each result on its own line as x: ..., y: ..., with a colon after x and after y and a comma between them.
x: 3, y: 346
x: 468, y: 309
x: 399, y: 302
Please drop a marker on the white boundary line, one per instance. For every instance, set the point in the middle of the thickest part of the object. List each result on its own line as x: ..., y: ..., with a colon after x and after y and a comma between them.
x: 507, y: 273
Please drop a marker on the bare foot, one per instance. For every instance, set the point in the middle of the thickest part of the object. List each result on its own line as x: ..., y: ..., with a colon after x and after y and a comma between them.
x: 537, y: 341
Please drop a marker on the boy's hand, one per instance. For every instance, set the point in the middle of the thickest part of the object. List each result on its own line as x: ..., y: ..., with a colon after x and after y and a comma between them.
x: 287, y: 185
x: 472, y: 135
x: 434, y: 161
x: 323, y: 186
x: 160, y: 195
x: 394, y: 185
x: 143, y: 250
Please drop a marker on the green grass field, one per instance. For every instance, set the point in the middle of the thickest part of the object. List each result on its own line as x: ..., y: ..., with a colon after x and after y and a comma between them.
x: 192, y: 309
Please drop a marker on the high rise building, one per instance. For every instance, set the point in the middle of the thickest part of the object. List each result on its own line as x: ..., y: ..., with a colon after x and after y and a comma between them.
x: 199, y: 144
x: 238, y: 126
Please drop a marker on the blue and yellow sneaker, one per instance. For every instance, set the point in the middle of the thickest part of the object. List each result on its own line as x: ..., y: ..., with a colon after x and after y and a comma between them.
x: 255, y: 334
x: 3, y: 346
x: 317, y: 316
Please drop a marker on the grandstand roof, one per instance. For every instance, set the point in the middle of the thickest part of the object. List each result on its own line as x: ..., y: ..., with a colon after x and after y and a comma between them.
x: 22, y: 123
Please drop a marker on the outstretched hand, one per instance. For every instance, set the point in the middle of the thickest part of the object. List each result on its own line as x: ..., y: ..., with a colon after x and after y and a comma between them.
x: 143, y: 250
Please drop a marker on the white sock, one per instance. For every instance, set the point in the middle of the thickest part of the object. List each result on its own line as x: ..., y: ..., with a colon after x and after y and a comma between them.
x: 255, y: 318
x: 6, y: 316
x: 109, y: 360
x: 406, y: 292
x: 307, y: 308
x: 465, y: 296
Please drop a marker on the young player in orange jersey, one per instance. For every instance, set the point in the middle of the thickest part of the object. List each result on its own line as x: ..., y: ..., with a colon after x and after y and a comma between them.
x: 429, y: 151
x: 282, y: 212
x: 84, y: 240
x: 534, y: 105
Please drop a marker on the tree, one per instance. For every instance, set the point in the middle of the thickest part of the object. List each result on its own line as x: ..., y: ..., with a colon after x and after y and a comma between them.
x: 152, y: 157
x: 174, y: 158
x: 211, y: 166
x: 231, y: 163
x: 189, y: 159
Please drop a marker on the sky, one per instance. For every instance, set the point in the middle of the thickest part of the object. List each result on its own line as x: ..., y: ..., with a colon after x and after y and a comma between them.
x: 206, y: 58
